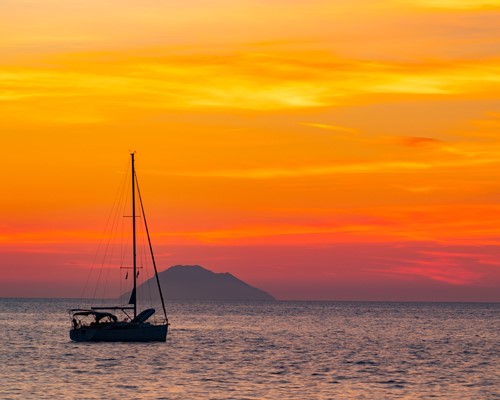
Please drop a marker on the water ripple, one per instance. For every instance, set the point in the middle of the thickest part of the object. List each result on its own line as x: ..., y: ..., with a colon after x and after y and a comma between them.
x: 253, y: 350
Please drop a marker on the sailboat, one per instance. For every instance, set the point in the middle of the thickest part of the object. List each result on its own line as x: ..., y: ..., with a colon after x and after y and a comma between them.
x: 100, y: 324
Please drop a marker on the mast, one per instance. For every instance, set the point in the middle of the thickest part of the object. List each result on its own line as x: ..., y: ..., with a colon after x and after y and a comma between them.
x: 134, y: 250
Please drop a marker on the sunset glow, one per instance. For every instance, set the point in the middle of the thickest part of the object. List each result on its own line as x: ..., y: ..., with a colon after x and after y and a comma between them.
x: 338, y: 150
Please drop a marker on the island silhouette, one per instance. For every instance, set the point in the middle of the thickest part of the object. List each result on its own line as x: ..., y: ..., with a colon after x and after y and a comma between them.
x: 193, y: 282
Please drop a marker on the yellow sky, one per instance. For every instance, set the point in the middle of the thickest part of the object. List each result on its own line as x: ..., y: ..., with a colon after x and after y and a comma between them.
x: 256, y: 123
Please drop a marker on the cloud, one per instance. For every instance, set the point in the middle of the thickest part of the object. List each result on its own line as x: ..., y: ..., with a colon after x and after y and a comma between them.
x: 439, y: 270
x: 455, y: 4
x: 237, y: 81
x: 334, y: 128
x: 419, y: 141
x: 437, y: 263
x: 273, y: 173
x: 419, y: 189
x: 462, y: 150
x: 345, y: 168
x: 493, y: 114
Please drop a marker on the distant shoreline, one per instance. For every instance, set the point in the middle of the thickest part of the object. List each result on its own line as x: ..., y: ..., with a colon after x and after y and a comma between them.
x: 264, y: 301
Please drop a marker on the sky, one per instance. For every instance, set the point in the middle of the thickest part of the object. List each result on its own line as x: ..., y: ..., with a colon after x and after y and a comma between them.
x: 323, y: 150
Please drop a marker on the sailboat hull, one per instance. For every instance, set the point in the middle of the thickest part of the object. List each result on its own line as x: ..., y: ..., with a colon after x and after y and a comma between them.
x: 120, y: 332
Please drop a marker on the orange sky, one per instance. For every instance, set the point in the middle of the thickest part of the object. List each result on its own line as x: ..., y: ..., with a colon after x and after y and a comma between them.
x: 341, y: 149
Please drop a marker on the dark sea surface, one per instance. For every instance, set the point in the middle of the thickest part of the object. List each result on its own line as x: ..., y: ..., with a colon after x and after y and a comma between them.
x: 260, y: 350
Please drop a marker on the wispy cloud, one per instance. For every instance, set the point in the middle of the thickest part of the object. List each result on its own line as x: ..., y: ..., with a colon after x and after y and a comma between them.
x: 328, y: 127
x: 242, y: 81
x: 419, y: 189
x: 455, y: 4
x: 419, y: 141
x: 273, y: 173
x: 437, y: 263
x: 351, y: 168
x: 439, y: 270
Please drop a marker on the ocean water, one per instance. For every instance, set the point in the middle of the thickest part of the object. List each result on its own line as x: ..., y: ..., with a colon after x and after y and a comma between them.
x: 260, y: 350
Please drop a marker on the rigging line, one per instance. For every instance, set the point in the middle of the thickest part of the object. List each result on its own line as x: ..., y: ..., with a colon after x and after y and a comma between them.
x: 110, y: 239
x: 121, y: 257
x: 120, y: 230
x: 108, y: 256
x: 140, y: 264
x: 124, y: 242
x: 144, y: 266
x: 116, y: 206
x: 130, y: 285
x: 152, y: 290
x: 146, y: 278
x: 151, y: 250
x: 121, y: 264
x: 107, y: 264
x: 101, y: 240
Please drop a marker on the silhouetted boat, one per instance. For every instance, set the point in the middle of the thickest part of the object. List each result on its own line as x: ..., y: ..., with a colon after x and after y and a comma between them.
x: 104, y: 326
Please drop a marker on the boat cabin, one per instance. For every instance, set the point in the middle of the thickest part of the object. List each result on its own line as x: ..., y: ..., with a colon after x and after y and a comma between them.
x: 81, y: 318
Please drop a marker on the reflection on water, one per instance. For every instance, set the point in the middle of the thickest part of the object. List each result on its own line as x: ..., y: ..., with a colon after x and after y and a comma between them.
x: 254, y: 350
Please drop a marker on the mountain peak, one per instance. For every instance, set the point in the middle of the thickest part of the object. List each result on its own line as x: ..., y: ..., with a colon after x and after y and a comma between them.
x: 193, y: 282
x: 185, y: 267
